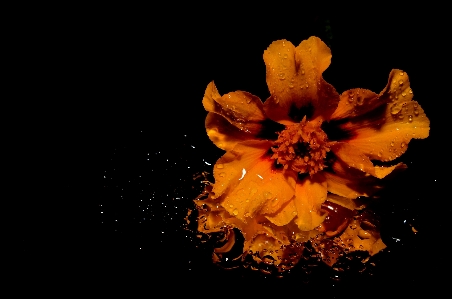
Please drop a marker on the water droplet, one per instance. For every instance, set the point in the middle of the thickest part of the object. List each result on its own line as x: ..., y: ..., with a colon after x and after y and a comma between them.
x: 410, y: 91
x: 392, y: 143
x: 268, y: 195
x: 364, y: 234
x: 360, y: 101
x: 302, y: 72
x: 403, y: 94
x: 410, y: 118
x: 350, y: 99
x: 282, y: 76
x: 235, y: 212
x: 402, y: 145
x: 380, y: 154
x: 247, y: 214
x: 248, y: 101
x: 231, y: 206
x: 416, y: 112
x: 290, y: 85
x: 294, y: 213
x: 401, y: 82
x: 222, y: 174
x: 220, y: 166
x: 395, y: 108
x: 401, y: 116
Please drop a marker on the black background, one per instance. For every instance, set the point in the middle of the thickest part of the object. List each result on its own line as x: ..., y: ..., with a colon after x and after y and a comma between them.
x: 120, y: 93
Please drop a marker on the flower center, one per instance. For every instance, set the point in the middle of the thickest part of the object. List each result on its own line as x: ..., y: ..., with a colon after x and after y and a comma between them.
x: 302, y: 147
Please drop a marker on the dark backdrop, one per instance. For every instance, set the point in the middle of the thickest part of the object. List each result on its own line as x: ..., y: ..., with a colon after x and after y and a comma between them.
x: 128, y: 136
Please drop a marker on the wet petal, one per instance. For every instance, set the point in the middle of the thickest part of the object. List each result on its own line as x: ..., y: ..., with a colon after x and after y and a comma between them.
x: 355, y: 102
x: 224, y: 134
x: 350, y: 182
x: 285, y: 215
x: 310, y: 193
x: 294, y: 78
x: 382, y: 126
x: 248, y: 183
x: 229, y: 168
x: 262, y: 190
x: 355, y: 158
x: 387, y: 137
x: 240, y: 108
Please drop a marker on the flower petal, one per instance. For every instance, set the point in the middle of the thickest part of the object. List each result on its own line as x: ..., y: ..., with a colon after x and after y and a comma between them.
x: 285, y: 215
x: 248, y: 183
x: 224, y: 134
x: 240, y: 108
x: 294, y: 78
x: 350, y: 182
x: 310, y: 193
x: 355, y: 102
x: 387, y: 138
x: 229, y: 168
x: 353, y: 157
x: 383, y: 126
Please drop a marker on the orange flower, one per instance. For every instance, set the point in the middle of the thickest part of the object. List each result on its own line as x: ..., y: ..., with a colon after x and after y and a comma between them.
x: 295, y: 165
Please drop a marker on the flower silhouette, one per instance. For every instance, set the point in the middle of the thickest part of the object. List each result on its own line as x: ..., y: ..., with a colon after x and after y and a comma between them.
x: 297, y: 166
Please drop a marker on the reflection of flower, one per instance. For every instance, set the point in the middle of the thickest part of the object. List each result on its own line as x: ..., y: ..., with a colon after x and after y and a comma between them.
x: 285, y: 188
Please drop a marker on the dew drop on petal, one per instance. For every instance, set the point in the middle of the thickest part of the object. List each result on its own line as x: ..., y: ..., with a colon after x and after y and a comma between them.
x: 220, y: 166
x: 235, y: 212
